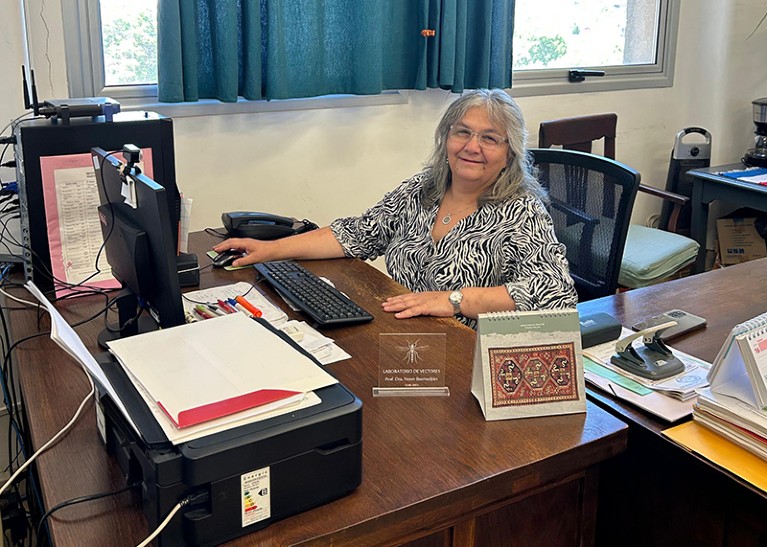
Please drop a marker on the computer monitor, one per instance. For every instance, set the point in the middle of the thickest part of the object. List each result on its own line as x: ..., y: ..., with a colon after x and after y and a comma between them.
x: 139, y: 241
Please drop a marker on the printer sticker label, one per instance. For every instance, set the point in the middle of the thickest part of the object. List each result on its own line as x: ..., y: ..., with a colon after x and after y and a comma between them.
x: 256, y: 497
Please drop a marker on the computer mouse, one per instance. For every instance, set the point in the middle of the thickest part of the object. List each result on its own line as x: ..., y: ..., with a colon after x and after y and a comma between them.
x: 224, y: 259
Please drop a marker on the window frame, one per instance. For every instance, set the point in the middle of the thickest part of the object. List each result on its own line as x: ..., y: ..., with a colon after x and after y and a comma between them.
x: 528, y: 83
x: 84, y: 59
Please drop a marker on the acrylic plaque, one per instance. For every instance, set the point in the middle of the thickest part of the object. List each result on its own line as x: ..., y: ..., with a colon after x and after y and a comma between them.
x: 411, y: 364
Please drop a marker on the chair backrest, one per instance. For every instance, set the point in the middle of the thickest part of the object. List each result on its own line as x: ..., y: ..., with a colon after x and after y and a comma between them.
x: 579, y: 132
x: 593, y: 231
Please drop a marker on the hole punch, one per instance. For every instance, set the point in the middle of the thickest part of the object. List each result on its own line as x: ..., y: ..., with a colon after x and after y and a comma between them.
x: 654, y: 360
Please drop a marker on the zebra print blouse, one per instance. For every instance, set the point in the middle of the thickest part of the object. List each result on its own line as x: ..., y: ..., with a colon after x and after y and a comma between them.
x: 510, y: 243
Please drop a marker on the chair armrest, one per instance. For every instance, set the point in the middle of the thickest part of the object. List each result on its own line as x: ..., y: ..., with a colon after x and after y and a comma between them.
x: 677, y: 199
x: 573, y: 212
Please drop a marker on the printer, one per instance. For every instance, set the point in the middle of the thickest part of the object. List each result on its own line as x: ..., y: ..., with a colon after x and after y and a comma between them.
x: 239, y: 480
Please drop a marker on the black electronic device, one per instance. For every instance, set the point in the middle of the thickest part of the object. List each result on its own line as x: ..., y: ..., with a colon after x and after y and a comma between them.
x: 188, y: 270
x: 326, y: 305
x: 598, y: 328
x: 653, y: 360
x: 224, y: 259
x: 140, y: 246
x: 685, y: 322
x: 263, y: 225
x: 39, y: 138
x: 307, y: 457
x: 65, y: 109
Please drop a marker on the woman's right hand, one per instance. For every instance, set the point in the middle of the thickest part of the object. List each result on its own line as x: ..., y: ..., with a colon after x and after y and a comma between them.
x: 255, y: 250
x: 312, y: 245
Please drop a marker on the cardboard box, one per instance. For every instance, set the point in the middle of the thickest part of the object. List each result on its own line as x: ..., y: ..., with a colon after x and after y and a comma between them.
x: 739, y: 238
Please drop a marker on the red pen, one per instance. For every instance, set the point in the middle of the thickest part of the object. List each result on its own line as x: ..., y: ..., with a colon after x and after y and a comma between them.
x: 248, y: 306
x: 202, y: 312
x: 226, y: 307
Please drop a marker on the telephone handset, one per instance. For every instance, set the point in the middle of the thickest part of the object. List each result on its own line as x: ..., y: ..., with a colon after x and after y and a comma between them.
x: 263, y: 225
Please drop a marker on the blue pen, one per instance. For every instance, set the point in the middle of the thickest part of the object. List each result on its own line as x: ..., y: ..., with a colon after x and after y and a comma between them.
x: 237, y: 306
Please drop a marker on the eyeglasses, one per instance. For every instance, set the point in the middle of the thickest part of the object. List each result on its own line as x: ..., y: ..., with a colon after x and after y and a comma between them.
x: 463, y: 134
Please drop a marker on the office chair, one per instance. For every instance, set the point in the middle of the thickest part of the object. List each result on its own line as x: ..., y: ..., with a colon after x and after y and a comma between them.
x: 590, y: 202
x: 650, y: 254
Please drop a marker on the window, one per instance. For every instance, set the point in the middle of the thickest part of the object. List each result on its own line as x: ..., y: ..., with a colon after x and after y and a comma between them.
x: 129, y: 39
x: 631, y: 41
x: 111, y: 48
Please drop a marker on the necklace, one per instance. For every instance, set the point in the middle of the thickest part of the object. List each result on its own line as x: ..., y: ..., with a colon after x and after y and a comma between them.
x: 448, y: 218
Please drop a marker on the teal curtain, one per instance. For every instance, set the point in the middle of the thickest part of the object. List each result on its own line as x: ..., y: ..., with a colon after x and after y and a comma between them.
x: 280, y: 49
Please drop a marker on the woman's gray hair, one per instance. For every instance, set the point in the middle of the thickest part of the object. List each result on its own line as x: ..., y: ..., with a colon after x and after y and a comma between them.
x: 516, y: 179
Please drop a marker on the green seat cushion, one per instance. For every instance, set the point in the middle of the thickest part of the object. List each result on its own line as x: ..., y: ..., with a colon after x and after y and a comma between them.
x: 652, y: 254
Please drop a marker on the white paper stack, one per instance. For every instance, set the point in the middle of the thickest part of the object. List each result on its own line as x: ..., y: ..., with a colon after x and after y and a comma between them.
x: 740, y: 422
x: 212, y: 374
x: 681, y: 386
x: 736, y: 404
x: 271, y: 313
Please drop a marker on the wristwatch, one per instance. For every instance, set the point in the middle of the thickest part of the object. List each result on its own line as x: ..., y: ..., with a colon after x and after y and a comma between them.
x: 456, y: 297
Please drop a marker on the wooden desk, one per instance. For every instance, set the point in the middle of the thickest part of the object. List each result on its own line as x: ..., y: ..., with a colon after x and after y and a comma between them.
x: 708, y: 186
x: 657, y: 493
x: 434, y: 471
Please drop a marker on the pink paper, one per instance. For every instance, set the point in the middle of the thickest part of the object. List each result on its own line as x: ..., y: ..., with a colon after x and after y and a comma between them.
x: 74, y: 232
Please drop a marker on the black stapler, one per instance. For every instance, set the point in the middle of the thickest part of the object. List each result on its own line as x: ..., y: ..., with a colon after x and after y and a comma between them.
x: 654, y: 360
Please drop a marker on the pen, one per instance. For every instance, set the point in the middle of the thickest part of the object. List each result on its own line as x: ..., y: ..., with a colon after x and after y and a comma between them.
x: 226, y: 306
x: 203, y: 312
x: 241, y: 308
x: 238, y: 307
x: 214, y: 310
x: 196, y: 315
x: 190, y: 318
x: 248, y: 306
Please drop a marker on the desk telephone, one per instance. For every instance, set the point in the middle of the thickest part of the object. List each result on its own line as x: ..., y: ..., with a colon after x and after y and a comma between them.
x: 263, y: 225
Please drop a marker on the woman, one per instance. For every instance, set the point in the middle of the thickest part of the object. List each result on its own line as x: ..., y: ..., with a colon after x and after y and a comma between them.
x: 468, y: 235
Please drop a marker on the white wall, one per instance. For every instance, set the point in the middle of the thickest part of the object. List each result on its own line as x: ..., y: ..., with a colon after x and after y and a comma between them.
x: 321, y: 164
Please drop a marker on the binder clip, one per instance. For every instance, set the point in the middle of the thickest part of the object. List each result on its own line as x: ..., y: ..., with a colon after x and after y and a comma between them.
x: 654, y: 360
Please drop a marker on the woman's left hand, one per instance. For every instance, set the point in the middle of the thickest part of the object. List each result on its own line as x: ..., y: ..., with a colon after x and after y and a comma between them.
x: 434, y: 303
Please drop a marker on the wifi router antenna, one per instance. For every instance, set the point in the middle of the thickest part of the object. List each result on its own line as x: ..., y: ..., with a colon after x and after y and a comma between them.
x: 35, y: 104
x: 27, y: 104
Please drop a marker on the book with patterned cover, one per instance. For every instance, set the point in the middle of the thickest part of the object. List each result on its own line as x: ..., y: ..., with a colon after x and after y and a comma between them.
x: 528, y: 364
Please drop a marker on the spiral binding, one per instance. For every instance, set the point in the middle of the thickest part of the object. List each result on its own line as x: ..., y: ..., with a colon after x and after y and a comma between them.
x: 502, y: 315
x: 755, y: 333
x: 747, y: 327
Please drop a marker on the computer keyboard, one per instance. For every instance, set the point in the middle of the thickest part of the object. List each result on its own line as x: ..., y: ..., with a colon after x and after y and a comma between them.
x: 323, y: 303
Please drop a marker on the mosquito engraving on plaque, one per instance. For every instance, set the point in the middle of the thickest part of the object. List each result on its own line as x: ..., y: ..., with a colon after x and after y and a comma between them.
x: 410, y: 352
x: 411, y: 363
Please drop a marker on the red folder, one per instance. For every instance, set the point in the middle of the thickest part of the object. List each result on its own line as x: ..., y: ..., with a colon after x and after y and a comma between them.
x: 219, y: 409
